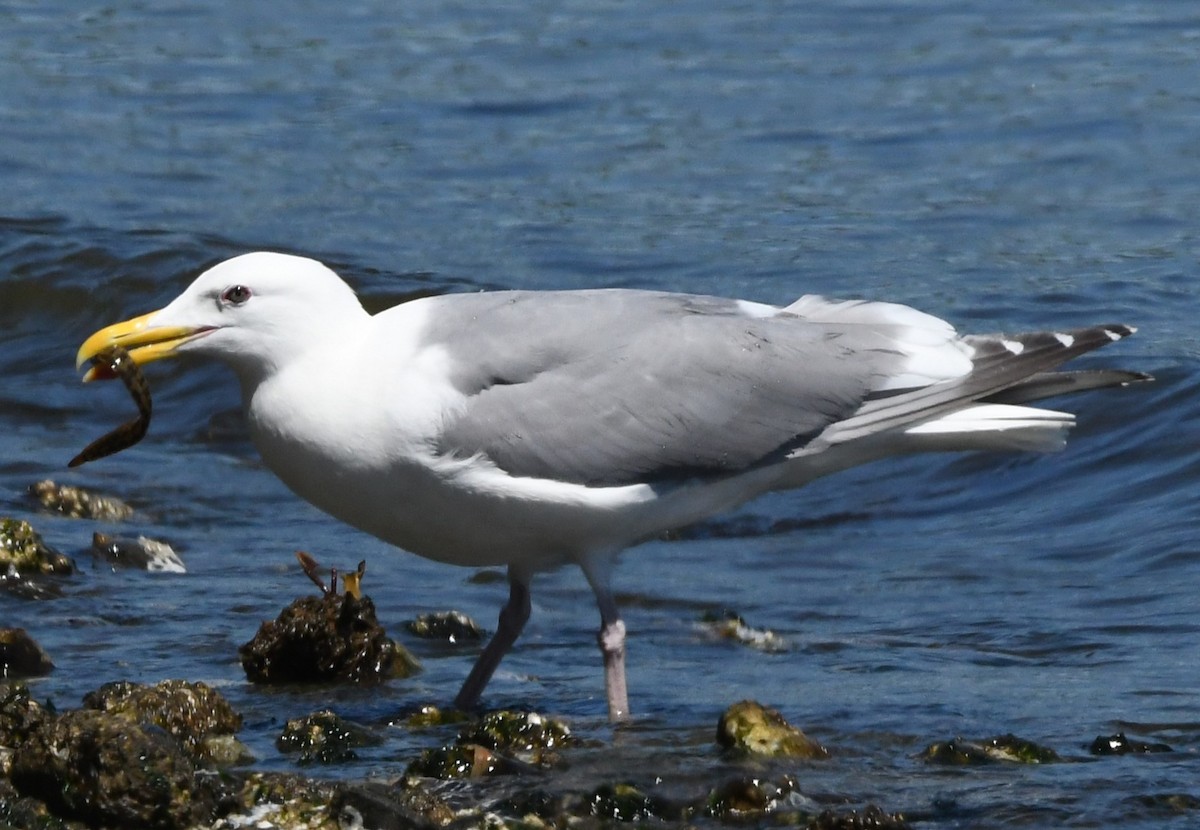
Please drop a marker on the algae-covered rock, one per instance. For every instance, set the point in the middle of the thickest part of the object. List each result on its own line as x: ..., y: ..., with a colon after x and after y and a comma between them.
x: 427, y: 715
x: 331, y: 637
x: 324, y: 738
x: 23, y: 550
x: 758, y: 730
x: 284, y: 801
x: 78, y: 503
x: 18, y: 812
x: 1120, y: 745
x: 448, y: 626
x: 498, y: 743
x: 142, y: 553
x: 196, y: 714
x: 21, y: 656
x: 626, y: 802
x: 1003, y: 748
x: 109, y: 772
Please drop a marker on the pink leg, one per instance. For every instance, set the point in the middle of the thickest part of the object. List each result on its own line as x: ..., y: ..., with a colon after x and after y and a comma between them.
x: 611, y: 639
x: 513, y: 617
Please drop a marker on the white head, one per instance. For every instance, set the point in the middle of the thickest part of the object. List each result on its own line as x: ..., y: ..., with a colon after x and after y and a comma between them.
x: 254, y: 312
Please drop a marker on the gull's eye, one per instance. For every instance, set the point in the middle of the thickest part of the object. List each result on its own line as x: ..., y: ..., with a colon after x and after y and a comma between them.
x: 235, y: 295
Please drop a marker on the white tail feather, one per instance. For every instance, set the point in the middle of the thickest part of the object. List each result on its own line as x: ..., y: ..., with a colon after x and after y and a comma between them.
x: 994, y: 426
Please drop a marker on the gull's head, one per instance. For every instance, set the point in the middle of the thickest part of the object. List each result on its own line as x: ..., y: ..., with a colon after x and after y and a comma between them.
x: 255, y: 312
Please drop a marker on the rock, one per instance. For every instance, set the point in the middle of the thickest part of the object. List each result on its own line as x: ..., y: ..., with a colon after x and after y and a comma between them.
x: 22, y: 550
x: 194, y: 713
x: 871, y: 818
x: 1003, y: 748
x: 324, y: 738
x: 281, y: 800
x: 142, y: 553
x: 21, y: 656
x: 755, y: 729
x: 449, y: 626
x: 404, y: 806
x: 106, y: 771
x: 332, y: 637
x: 743, y: 798
x: 625, y: 802
x: 727, y: 625
x: 17, y: 811
x: 78, y: 503
x: 429, y: 715
x: 20, y: 714
x: 500, y: 743
x: 1120, y: 745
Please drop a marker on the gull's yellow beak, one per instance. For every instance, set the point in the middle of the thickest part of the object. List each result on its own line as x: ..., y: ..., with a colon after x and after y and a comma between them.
x: 144, y: 343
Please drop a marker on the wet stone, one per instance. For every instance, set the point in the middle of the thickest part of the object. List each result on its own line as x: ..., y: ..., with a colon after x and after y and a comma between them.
x: 23, y: 550
x: 78, y: 503
x: 142, y: 553
x: 499, y: 743
x: 429, y: 715
x: 1120, y: 745
x: 324, y: 738
x: 448, y: 626
x: 18, y: 811
x: 21, y: 656
x: 1003, y: 748
x: 334, y: 637
x: 871, y: 818
x: 728, y: 625
x: 749, y: 797
x: 281, y: 800
x: 20, y: 714
x: 407, y: 804
x: 197, y: 715
x: 105, y: 771
x: 626, y: 802
x: 758, y: 730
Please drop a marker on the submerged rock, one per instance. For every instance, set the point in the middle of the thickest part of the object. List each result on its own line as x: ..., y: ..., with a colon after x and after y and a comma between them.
x: 21, y: 656
x: 749, y: 797
x: 1120, y: 745
x: 331, y: 637
x: 429, y: 715
x: 324, y: 738
x: 23, y: 550
x: 109, y: 772
x: 758, y: 730
x: 871, y: 818
x: 142, y: 553
x: 449, y: 626
x: 1003, y: 748
x: 194, y: 713
x: 728, y: 625
x: 78, y: 503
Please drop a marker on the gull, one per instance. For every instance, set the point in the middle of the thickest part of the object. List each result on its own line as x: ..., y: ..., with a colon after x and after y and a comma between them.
x: 537, y: 429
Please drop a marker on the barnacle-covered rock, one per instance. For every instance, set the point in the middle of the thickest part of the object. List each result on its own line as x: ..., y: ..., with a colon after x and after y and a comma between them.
x: 755, y: 729
x: 109, y: 772
x: 78, y: 503
x: 20, y: 714
x: 404, y: 804
x: 194, y: 713
x: 331, y: 637
x: 748, y: 797
x: 282, y: 801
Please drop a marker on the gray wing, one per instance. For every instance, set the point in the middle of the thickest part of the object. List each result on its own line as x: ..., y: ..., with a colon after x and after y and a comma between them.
x: 612, y: 387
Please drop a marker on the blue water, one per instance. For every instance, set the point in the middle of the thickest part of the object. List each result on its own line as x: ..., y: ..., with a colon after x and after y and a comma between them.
x: 1004, y: 165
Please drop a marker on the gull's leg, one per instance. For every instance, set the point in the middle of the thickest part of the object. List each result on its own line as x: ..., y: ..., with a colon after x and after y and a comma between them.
x: 611, y: 639
x: 513, y: 617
